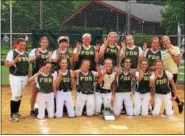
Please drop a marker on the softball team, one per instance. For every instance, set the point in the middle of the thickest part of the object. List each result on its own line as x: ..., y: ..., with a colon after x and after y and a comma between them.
x: 104, y: 76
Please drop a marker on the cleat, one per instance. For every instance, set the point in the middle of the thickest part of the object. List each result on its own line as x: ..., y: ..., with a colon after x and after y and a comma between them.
x: 180, y: 106
x: 33, y: 113
x: 14, y: 118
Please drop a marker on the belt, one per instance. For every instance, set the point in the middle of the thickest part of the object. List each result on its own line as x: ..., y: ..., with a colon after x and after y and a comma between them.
x: 162, y: 92
x: 64, y: 90
x: 103, y: 90
x: 85, y: 92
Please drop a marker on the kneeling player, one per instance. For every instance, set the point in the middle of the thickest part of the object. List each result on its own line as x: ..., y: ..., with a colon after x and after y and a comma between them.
x: 161, y: 79
x: 123, y: 90
x: 65, y: 81
x: 106, y: 82
x: 45, y: 84
x: 142, y: 94
x: 85, y: 90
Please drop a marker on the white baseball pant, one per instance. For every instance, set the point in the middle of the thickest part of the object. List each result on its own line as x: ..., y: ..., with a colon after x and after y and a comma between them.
x: 61, y: 99
x: 84, y: 99
x: 167, y: 104
x: 119, y: 98
x: 45, y: 101
x: 102, y: 98
x: 17, y: 85
x: 141, y: 103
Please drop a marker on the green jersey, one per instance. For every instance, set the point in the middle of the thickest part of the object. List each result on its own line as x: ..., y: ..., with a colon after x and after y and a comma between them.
x: 124, y: 82
x: 21, y: 67
x: 86, y: 83
x: 86, y: 55
x: 162, y: 84
x: 111, y: 53
x: 45, y: 83
x: 40, y: 61
x: 65, y: 83
x: 133, y: 54
x: 153, y: 57
x: 144, y: 84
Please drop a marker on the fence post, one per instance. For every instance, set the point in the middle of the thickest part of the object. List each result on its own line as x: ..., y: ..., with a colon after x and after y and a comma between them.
x: 10, y: 24
x: 179, y: 35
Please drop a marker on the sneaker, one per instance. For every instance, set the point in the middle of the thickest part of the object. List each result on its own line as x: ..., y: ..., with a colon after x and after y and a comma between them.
x: 33, y: 114
x: 180, y: 106
x: 14, y: 118
x: 19, y: 116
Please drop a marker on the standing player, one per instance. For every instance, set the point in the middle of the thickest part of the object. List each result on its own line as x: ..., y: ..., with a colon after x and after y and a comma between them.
x: 123, y: 90
x: 105, y: 94
x: 85, y: 89
x: 45, y: 84
x: 65, y: 83
x: 62, y: 52
x: 171, y: 60
x: 142, y: 94
x: 17, y: 61
x: 86, y: 52
x: 38, y: 56
x: 110, y: 49
x: 153, y: 54
x: 160, y: 79
x: 132, y: 51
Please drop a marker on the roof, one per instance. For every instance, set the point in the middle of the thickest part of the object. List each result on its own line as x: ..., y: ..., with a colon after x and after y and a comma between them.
x: 139, y: 11
x: 147, y: 12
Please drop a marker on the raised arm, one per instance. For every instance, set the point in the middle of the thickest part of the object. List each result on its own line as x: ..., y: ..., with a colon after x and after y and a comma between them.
x: 76, y: 52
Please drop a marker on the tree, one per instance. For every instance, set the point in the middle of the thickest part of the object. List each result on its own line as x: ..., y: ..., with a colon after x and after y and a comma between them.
x: 172, y: 14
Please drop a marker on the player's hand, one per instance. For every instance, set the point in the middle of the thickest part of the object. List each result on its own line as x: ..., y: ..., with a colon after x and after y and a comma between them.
x: 78, y: 46
x: 103, y: 71
x: 118, y: 70
x: 37, y: 54
x: 106, y: 42
x: 123, y: 45
x: 141, y: 73
x: 17, y: 59
x: 97, y: 47
x: 169, y: 51
x: 41, y: 70
x: 144, y: 46
x: 49, y: 55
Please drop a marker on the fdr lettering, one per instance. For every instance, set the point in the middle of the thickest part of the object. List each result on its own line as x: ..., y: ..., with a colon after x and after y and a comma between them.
x: 45, y: 80
x: 65, y: 80
x: 161, y: 81
x: 153, y: 57
x: 86, y: 79
x: 87, y: 53
x: 131, y: 53
x: 125, y: 78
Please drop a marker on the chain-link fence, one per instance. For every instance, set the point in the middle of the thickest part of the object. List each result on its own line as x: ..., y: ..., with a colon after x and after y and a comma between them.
x: 143, y: 19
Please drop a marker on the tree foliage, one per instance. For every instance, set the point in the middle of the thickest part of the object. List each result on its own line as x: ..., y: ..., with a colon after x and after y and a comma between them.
x: 172, y: 14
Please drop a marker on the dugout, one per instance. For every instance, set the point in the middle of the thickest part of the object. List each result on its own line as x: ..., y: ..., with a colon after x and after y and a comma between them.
x: 73, y: 35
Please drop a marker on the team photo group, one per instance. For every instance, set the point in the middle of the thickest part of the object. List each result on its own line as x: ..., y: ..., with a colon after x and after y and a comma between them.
x: 114, y: 77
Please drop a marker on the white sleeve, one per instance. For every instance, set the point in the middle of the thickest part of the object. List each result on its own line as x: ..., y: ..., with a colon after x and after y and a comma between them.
x: 140, y: 51
x: 54, y: 75
x: 36, y: 81
x: 95, y: 73
x: 152, y: 76
x: 9, y: 56
x: 32, y: 53
x: 169, y: 75
x: 146, y: 52
x: 75, y: 50
x: 54, y: 54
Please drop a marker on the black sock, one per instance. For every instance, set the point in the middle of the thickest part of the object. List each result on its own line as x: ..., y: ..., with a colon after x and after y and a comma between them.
x: 12, y: 107
x: 177, y: 100
x: 18, y: 105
